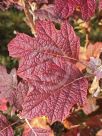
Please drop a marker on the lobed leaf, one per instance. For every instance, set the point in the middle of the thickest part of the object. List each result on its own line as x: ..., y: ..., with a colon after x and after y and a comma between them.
x: 47, y: 62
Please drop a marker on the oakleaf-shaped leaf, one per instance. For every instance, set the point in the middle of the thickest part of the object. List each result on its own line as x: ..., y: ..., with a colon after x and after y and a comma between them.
x: 55, y: 100
x: 5, y: 128
x: 45, y: 62
x: 50, y: 43
x: 8, y: 82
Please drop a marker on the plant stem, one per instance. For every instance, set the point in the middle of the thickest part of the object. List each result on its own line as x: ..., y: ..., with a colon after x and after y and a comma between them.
x: 29, y: 17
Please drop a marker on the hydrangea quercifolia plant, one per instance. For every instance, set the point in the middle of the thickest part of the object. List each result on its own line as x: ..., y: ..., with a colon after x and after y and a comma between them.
x: 47, y: 81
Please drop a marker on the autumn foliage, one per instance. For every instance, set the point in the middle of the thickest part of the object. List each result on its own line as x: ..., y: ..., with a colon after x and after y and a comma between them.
x: 57, y: 83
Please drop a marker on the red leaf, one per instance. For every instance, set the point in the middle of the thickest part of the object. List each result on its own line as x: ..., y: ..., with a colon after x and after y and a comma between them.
x: 56, y: 100
x: 8, y: 82
x: 87, y: 8
x: 73, y: 132
x: 44, y: 62
x: 47, y: 46
x: 65, y: 8
x: 5, y: 124
x: 95, y: 121
x: 92, y: 126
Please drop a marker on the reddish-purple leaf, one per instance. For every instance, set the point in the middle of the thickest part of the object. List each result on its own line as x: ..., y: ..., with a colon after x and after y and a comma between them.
x: 9, y: 89
x: 44, y: 61
x: 72, y: 132
x: 50, y: 43
x: 5, y: 128
x: 8, y: 82
x: 65, y: 8
x: 87, y: 8
x: 55, y: 99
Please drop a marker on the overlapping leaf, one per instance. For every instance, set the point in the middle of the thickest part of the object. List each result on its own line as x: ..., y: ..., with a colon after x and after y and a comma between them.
x: 87, y: 8
x: 8, y: 82
x: 9, y: 88
x: 63, y: 9
x: 5, y: 124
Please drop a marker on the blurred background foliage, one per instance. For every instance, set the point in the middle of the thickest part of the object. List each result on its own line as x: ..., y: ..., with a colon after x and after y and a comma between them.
x: 11, y: 22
